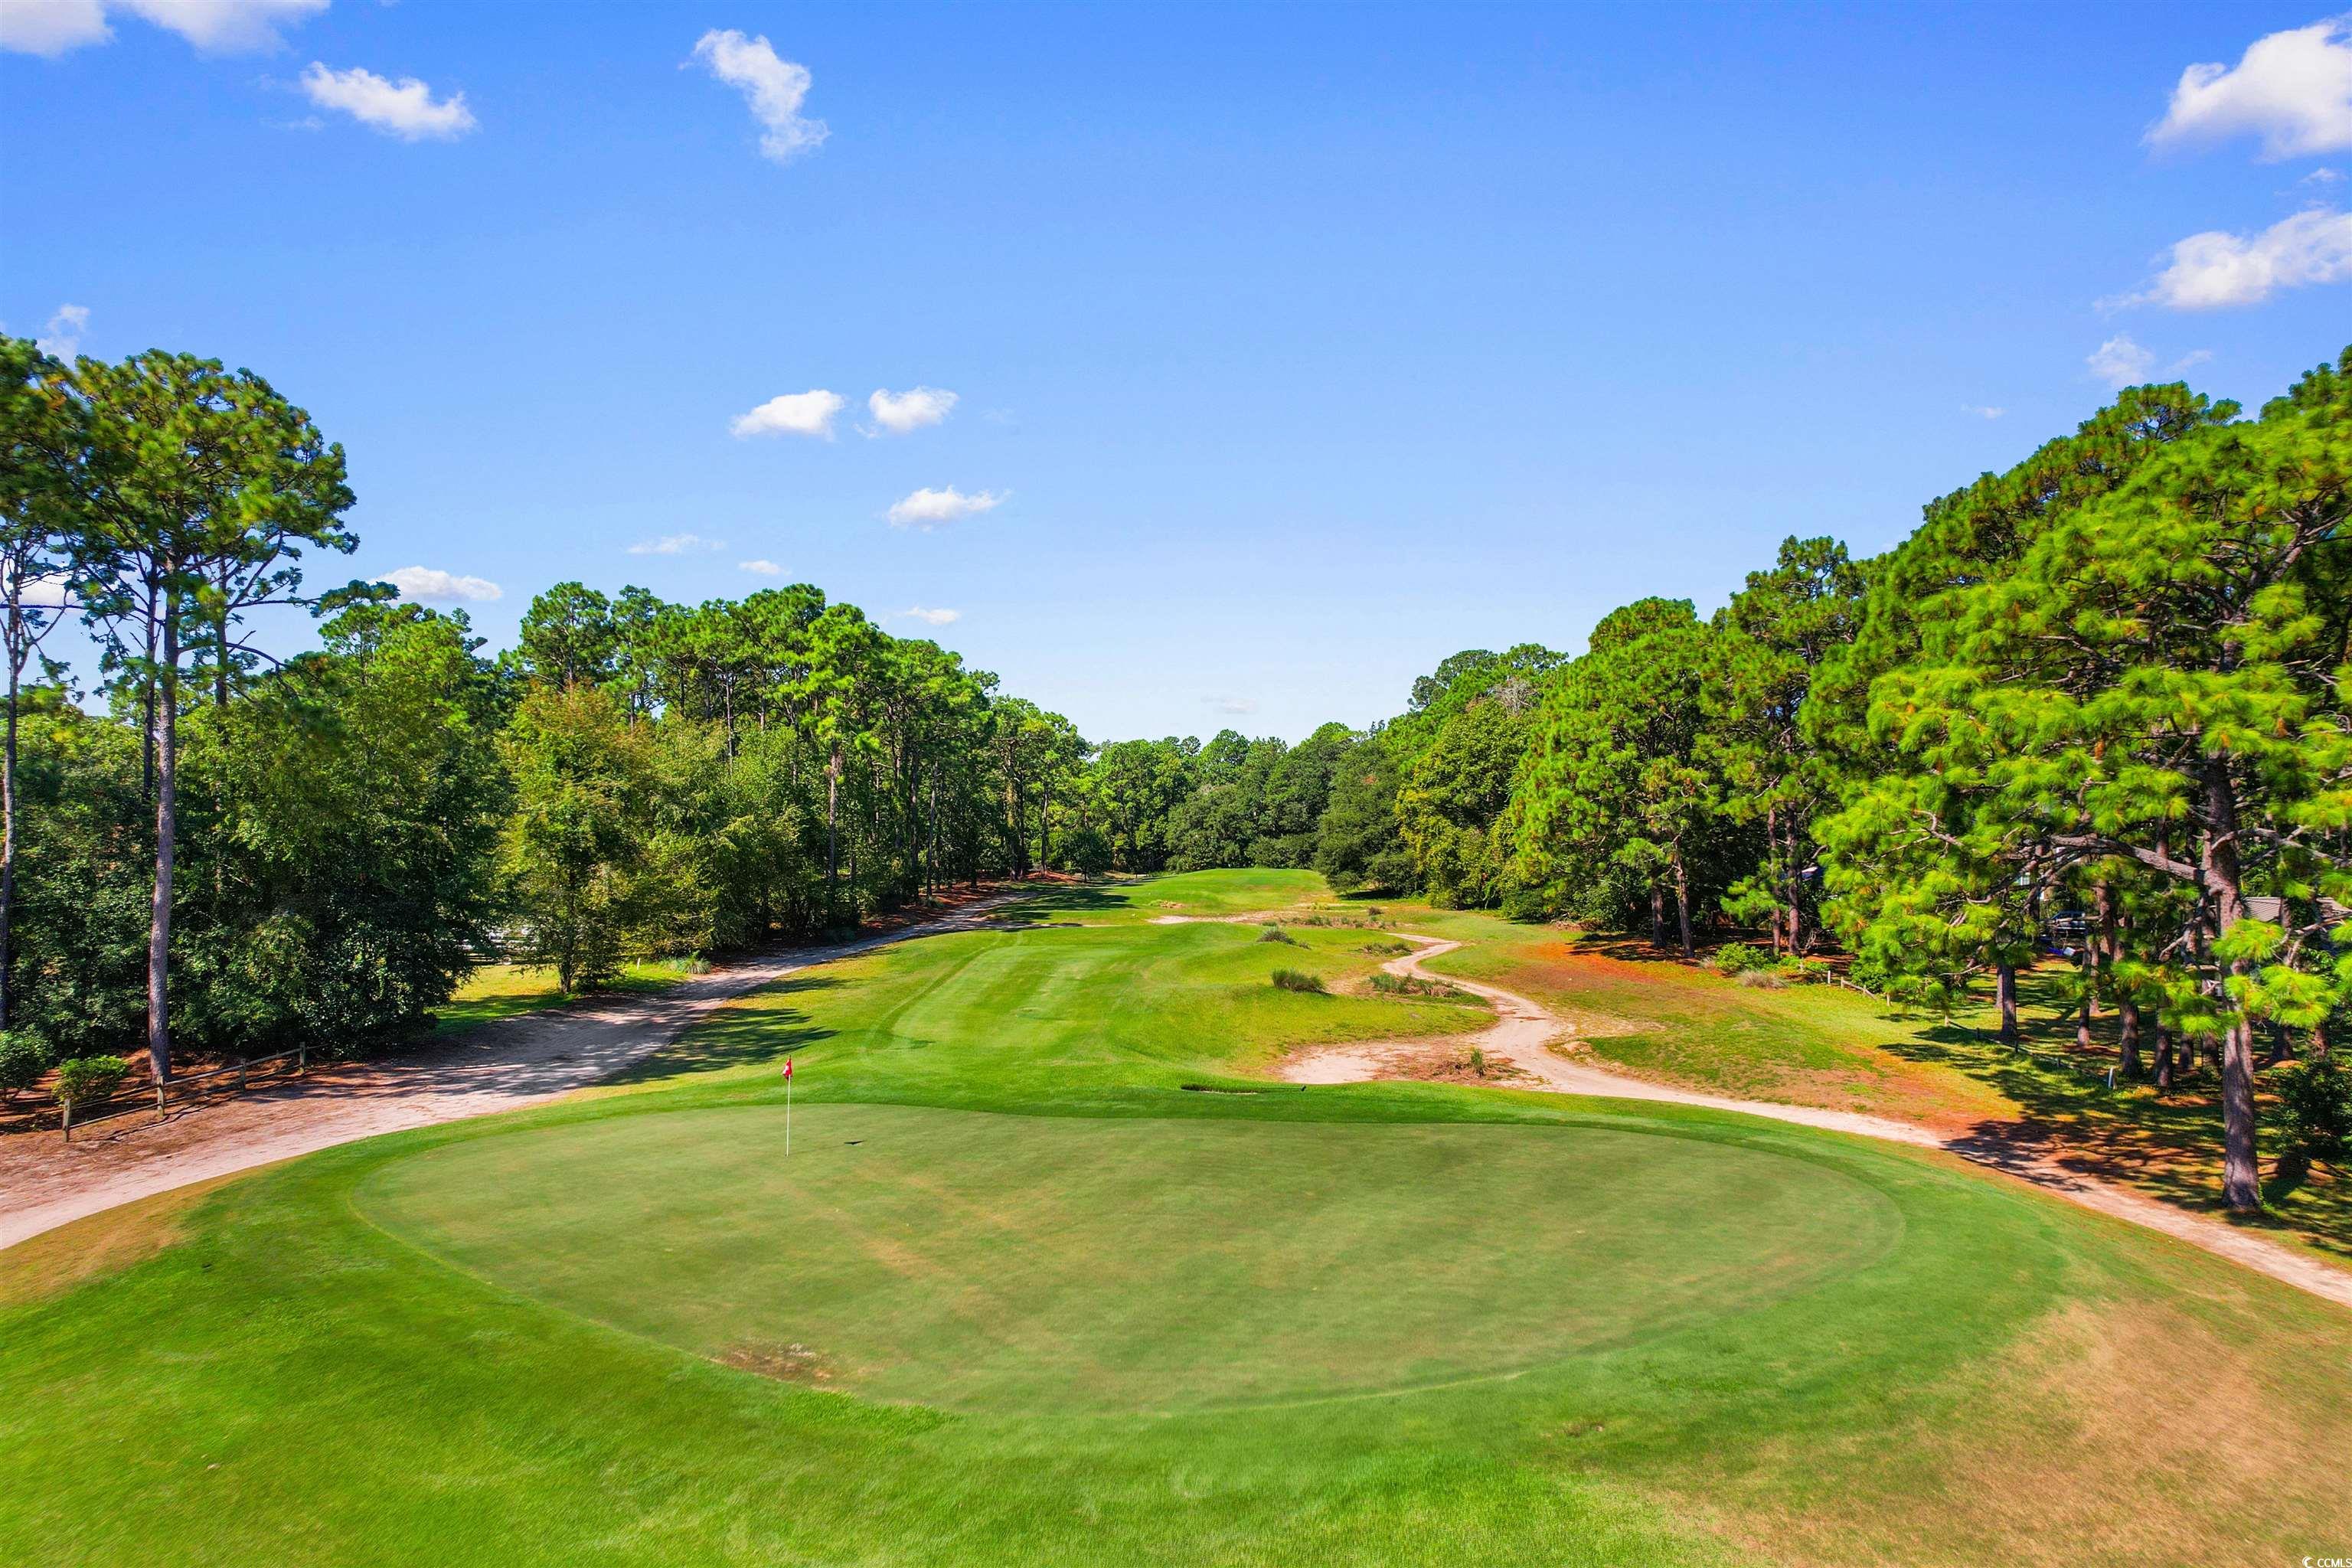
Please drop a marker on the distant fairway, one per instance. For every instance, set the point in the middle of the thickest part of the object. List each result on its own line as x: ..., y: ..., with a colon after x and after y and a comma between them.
x: 1055, y: 1274
x: 1036, y: 1263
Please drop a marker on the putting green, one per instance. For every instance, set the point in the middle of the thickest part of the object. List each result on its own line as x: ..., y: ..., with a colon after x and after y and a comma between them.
x: 1024, y: 1263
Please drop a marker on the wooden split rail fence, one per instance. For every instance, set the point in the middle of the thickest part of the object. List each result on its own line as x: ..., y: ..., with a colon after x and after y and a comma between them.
x: 126, y: 1102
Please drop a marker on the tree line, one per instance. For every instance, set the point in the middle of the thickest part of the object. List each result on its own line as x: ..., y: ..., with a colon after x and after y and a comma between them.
x: 219, y: 850
x: 2099, y: 704
x: 2105, y: 692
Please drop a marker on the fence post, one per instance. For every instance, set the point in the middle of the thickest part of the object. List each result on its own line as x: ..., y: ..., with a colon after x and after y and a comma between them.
x: 65, y: 1108
x: 162, y: 1088
x: 302, y: 1059
x: 240, y: 1075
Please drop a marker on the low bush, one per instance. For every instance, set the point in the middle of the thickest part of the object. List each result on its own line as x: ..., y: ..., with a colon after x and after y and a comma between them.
x: 22, y: 1062
x: 86, y: 1080
x: 1293, y: 980
x: 1739, y: 958
x: 1529, y: 906
x: 1275, y: 933
x: 1414, y: 986
x: 1388, y: 949
x: 1760, y: 979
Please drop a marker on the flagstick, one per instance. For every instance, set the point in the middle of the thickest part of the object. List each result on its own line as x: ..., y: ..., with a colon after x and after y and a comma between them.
x: 788, y: 1115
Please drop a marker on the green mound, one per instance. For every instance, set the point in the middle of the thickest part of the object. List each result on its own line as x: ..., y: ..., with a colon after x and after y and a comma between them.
x: 1055, y: 1264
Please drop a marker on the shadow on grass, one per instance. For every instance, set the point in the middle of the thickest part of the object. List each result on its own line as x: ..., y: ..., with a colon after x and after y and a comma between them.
x: 2166, y: 1142
x: 763, y: 1031
x: 1073, y: 900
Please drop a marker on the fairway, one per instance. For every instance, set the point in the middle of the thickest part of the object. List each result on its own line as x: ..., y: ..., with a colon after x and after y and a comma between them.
x: 1052, y: 1263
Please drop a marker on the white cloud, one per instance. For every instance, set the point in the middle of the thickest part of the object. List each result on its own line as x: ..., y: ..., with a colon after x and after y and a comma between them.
x: 48, y: 592
x: 676, y: 544
x: 53, y: 26
x: 1982, y: 410
x: 63, y: 338
x: 2214, y: 269
x: 900, y: 411
x: 2120, y: 362
x: 431, y: 585
x: 2293, y: 89
x: 760, y: 568
x: 927, y: 509
x: 405, y: 109
x: 775, y: 88
x: 932, y: 617
x: 793, y: 414
x: 2322, y: 177
x: 226, y: 25
x: 50, y: 27
x: 1235, y: 705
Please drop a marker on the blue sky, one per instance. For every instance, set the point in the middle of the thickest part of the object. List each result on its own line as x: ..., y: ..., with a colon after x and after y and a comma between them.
x: 1300, y: 346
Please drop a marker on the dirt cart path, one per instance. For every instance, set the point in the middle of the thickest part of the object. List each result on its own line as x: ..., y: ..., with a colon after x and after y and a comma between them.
x: 1523, y: 1034
x: 532, y: 1056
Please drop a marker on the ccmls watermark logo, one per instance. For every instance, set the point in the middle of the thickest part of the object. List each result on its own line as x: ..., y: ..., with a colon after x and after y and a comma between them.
x: 2328, y: 1563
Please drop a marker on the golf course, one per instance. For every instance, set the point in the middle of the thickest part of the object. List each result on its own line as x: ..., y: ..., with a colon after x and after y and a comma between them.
x: 1059, y: 1270
x: 1267, y: 785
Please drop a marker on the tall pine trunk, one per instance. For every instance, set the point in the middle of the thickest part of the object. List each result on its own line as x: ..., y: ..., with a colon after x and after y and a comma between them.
x: 167, y: 787
x: 8, y: 832
x: 147, y: 713
x: 2241, y: 1172
x: 1045, y: 825
x: 2005, y: 993
x: 1682, y: 905
x: 832, y: 837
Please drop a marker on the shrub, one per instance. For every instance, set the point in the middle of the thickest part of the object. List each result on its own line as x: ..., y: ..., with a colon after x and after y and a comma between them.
x: 1293, y: 980
x: 1087, y: 851
x: 1388, y: 949
x: 1761, y: 979
x: 2315, y: 1115
x: 1275, y: 933
x: 86, y: 1081
x: 1739, y: 958
x: 1414, y: 986
x: 1529, y: 906
x: 22, y: 1062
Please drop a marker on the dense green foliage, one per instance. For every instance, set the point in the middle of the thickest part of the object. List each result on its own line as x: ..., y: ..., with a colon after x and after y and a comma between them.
x: 2098, y: 706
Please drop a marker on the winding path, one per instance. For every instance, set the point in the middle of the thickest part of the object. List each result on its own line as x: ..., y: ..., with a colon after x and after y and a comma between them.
x: 1524, y: 1031
x: 502, y: 1066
